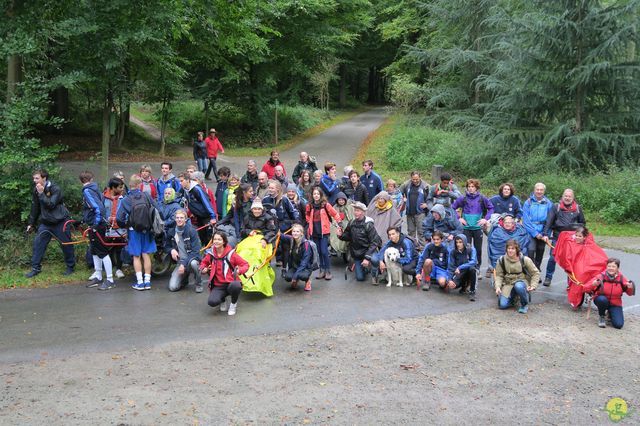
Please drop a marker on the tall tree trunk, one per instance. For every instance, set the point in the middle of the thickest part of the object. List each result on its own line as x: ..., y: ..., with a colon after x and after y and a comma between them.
x: 342, y: 96
x: 14, y: 75
x: 206, y: 116
x: 372, y: 85
x: 163, y: 125
x: 106, y: 113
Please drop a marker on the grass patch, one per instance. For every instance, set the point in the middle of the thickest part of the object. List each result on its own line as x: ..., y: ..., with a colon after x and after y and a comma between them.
x: 52, y: 274
x: 610, y: 198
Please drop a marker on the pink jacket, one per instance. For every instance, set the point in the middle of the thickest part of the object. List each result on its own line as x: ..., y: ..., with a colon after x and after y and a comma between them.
x: 325, y: 221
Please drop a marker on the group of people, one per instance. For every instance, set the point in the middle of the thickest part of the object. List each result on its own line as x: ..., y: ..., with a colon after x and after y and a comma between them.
x: 307, y: 217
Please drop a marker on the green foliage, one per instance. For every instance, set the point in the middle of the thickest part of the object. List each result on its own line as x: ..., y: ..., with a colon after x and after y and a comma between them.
x: 20, y: 152
x: 611, y: 195
x: 560, y: 77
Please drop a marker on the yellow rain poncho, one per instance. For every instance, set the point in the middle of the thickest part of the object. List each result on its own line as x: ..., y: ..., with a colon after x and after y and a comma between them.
x: 261, y: 274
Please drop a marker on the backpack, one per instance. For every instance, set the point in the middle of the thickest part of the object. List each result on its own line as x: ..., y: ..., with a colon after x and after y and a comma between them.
x: 524, y: 268
x: 141, y: 215
x: 315, y: 257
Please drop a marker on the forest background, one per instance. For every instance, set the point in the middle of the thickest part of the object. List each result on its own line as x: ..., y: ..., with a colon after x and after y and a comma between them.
x: 501, y: 90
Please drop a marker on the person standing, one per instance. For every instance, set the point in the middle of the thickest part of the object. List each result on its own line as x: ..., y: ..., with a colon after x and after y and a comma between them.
x: 111, y: 198
x: 213, y: 147
x: 200, y: 152
x: 534, y: 216
x: 48, y: 205
x: 414, y: 193
x: 270, y: 166
x: 371, y: 180
x: 94, y: 215
x: 566, y: 215
x: 251, y: 175
x: 319, y: 214
x: 476, y: 212
x: 135, y: 213
x: 199, y: 205
x: 305, y: 163
x: 168, y: 180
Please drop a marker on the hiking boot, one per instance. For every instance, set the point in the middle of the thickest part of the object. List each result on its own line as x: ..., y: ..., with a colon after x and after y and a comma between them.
x: 472, y: 296
x: 328, y: 276
x: 224, y: 307
x: 119, y: 273
x: 523, y: 309
x: 426, y: 286
x: 199, y: 288
x: 374, y: 280
x: 232, y: 308
x: 602, y: 323
x: 32, y: 273
x: 294, y: 284
x: 547, y: 282
x: 321, y: 275
x: 489, y: 272
x: 68, y: 271
x: 138, y: 286
x: 147, y: 285
x: 307, y: 286
x: 94, y: 283
x: 106, y: 285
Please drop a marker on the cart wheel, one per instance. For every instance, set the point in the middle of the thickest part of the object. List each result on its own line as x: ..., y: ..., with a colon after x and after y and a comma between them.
x: 161, y: 264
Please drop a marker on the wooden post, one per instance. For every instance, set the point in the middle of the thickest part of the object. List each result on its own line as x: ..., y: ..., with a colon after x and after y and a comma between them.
x: 436, y: 172
x: 276, y: 124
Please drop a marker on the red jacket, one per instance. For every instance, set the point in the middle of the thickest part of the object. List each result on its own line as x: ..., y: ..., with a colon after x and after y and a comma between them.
x: 153, y: 187
x: 611, y: 289
x: 325, y: 221
x: 213, y: 146
x: 220, y: 273
x: 270, y: 168
x: 114, y: 208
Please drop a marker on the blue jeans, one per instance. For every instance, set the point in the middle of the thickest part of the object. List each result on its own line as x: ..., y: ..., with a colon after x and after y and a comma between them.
x: 617, y: 316
x: 202, y: 164
x: 551, y: 263
x: 361, y: 271
x: 42, y: 241
x: 323, y: 251
x: 519, y: 289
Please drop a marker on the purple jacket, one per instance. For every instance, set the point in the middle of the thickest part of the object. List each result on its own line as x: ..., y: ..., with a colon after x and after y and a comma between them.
x: 474, y: 204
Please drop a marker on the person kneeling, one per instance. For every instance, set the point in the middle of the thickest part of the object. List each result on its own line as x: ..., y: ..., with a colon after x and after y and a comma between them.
x: 609, y: 288
x: 223, y: 265
x: 432, y: 263
x: 300, y: 262
x: 462, y: 266
x: 183, y: 243
x: 516, y: 276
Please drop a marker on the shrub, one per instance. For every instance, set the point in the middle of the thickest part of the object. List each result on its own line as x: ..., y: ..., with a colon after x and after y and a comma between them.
x: 611, y: 195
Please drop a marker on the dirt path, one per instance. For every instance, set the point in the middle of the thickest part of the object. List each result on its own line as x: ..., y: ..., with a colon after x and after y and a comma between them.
x: 151, y: 130
x: 485, y: 367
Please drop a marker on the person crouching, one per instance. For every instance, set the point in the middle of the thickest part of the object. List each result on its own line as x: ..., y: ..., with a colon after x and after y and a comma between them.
x: 299, y: 265
x: 184, y: 245
x: 515, y: 275
x: 223, y: 265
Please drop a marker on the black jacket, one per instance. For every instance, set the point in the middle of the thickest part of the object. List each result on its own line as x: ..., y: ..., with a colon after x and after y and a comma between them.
x: 363, y: 238
x: 560, y: 220
x: 48, y: 206
x: 359, y: 193
x: 263, y: 223
x: 301, y: 167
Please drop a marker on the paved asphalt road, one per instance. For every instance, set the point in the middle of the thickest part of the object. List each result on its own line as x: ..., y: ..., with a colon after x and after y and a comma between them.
x: 70, y: 319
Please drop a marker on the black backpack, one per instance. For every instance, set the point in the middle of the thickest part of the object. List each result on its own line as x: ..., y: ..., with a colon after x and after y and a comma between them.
x: 141, y: 214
